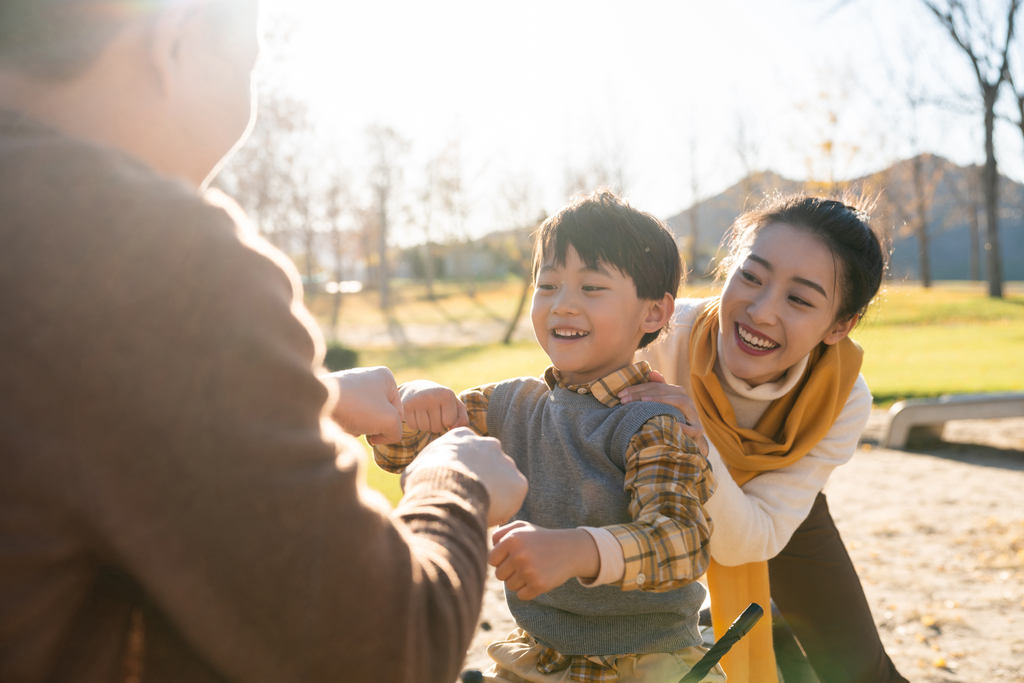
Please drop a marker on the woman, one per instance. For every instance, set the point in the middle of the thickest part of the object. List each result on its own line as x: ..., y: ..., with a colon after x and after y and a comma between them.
x: 775, y: 384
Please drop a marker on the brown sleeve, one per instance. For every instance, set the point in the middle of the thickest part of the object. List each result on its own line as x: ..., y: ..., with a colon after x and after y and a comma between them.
x: 196, y: 461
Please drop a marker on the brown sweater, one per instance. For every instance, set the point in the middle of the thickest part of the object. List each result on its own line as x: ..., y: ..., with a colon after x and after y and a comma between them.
x: 164, y: 461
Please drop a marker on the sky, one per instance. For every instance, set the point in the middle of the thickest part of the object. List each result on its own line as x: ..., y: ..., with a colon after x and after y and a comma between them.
x: 661, y: 90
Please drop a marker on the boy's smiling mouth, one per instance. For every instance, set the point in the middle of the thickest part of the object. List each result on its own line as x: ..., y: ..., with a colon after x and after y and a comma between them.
x: 567, y: 333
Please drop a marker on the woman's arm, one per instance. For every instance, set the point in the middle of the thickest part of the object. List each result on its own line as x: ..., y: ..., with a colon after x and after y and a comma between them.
x: 754, y: 523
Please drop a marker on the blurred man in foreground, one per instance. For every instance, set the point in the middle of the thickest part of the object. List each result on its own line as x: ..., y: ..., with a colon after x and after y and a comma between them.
x: 175, y: 502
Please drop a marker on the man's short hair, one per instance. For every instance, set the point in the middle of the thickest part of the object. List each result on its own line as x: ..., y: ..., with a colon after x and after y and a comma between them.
x: 59, y: 39
x: 56, y: 39
x: 603, y: 228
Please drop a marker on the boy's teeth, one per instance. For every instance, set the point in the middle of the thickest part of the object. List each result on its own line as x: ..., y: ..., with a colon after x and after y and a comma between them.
x: 570, y: 333
x: 754, y: 340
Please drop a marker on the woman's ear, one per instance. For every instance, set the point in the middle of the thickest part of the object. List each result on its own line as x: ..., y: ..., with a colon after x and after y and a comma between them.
x: 841, y: 329
x: 659, y: 313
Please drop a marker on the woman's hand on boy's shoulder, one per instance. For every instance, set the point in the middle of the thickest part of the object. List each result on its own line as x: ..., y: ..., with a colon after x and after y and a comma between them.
x: 432, y: 407
x: 657, y: 389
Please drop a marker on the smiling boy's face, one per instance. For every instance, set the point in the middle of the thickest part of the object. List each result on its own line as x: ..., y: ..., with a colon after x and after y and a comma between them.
x: 590, y: 322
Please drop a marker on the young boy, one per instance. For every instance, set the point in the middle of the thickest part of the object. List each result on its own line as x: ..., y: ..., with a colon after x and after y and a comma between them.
x: 616, y: 490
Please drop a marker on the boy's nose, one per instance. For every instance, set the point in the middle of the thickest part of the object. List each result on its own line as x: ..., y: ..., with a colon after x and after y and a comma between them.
x: 564, y: 304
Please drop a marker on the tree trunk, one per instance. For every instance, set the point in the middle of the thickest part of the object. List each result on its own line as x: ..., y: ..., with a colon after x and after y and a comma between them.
x: 991, y: 185
x: 428, y: 268
x: 922, y: 221
x: 694, y: 233
x: 382, y: 255
x: 336, y: 306
x: 519, y: 311
x: 972, y: 222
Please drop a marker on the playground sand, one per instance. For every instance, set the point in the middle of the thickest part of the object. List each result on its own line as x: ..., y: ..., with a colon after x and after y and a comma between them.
x: 937, y: 537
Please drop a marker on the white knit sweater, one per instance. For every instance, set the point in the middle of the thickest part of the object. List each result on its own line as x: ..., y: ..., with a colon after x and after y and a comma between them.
x: 754, y: 522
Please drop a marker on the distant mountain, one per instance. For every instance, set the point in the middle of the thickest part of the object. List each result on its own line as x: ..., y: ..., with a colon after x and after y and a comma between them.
x: 949, y: 193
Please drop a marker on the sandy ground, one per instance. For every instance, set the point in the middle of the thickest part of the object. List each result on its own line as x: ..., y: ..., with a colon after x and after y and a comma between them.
x: 937, y: 536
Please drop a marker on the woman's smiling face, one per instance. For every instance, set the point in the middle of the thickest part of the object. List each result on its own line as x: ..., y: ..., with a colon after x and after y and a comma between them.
x: 779, y: 302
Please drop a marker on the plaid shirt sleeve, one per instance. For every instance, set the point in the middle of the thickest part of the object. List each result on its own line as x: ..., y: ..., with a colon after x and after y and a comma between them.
x: 397, y: 456
x: 668, y: 480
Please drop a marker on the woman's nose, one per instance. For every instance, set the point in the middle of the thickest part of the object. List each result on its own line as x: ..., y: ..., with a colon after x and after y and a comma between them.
x: 762, y: 308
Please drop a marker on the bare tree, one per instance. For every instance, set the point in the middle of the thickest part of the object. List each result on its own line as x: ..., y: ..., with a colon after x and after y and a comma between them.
x: 524, y: 214
x: 694, y: 210
x: 976, y: 36
x: 748, y: 150
x: 387, y: 151
x: 912, y: 208
x: 338, y: 202
x: 912, y: 187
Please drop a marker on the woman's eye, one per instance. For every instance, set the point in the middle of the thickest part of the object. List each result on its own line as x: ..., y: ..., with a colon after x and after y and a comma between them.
x: 749, y: 277
x: 798, y: 300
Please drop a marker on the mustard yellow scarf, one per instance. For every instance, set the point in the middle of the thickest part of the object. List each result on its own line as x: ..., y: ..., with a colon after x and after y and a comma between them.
x: 788, y: 430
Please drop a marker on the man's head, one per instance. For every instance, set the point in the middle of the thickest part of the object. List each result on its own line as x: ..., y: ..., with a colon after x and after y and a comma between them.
x: 166, y: 80
x: 605, y: 278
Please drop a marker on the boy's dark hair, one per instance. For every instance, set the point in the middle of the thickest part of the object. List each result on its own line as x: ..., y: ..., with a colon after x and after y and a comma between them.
x: 603, y: 228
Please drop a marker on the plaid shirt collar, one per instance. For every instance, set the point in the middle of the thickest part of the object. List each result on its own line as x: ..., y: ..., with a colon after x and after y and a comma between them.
x: 605, y: 389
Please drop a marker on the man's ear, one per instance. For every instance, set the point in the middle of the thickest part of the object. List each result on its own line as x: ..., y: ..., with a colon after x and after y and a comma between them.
x: 169, y: 33
x: 841, y: 329
x: 659, y: 313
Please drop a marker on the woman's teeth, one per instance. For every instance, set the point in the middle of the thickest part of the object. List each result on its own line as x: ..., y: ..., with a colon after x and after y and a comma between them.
x: 569, y: 334
x: 755, y: 341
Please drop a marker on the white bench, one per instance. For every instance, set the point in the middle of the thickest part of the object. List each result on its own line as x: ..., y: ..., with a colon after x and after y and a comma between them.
x: 930, y: 414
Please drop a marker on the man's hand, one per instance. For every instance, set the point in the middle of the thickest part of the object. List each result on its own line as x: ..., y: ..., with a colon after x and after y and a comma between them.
x: 657, y: 389
x: 369, y: 403
x: 532, y: 560
x: 482, y: 457
x: 431, y: 407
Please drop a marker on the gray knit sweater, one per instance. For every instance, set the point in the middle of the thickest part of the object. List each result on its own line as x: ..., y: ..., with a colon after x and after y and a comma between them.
x: 572, y: 449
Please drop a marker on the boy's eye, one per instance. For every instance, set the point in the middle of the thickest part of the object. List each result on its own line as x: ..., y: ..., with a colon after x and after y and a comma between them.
x: 592, y: 288
x: 545, y: 286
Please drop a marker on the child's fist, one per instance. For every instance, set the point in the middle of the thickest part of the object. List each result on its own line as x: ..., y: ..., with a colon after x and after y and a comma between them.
x: 431, y: 407
x: 532, y: 560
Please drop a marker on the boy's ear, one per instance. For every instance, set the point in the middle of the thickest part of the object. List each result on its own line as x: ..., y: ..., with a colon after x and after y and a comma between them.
x: 659, y: 313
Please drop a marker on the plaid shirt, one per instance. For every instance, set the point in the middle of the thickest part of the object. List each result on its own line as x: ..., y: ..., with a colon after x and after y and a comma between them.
x: 666, y: 544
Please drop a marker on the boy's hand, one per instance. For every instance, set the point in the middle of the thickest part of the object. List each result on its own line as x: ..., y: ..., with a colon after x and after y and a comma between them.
x: 368, y: 403
x: 532, y: 560
x: 432, y: 407
x: 657, y: 389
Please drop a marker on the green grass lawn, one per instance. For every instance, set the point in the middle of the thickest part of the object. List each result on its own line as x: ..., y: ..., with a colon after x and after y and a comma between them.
x: 949, y: 339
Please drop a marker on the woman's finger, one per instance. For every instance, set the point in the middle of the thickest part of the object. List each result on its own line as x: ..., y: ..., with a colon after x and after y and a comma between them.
x: 691, y: 431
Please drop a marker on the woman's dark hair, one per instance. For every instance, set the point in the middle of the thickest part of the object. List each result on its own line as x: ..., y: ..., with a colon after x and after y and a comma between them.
x: 603, y: 228
x: 843, y: 224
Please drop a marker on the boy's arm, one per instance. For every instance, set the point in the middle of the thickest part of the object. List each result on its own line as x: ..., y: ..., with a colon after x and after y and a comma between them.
x: 396, y: 457
x: 669, y: 481
x: 476, y: 401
